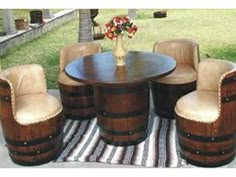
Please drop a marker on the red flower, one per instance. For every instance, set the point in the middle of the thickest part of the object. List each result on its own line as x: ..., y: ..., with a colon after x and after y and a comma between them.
x: 108, y: 25
x: 130, y: 30
x: 117, y: 19
x: 135, y: 28
x: 109, y: 35
x: 119, y: 25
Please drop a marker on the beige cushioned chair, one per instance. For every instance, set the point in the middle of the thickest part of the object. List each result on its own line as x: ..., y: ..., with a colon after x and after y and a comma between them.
x: 206, y: 118
x: 167, y: 90
x: 31, y: 118
x: 77, y: 98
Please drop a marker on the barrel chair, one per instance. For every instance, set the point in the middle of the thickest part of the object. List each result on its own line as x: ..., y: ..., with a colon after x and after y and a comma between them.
x: 206, y: 117
x: 77, y: 98
x: 31, y: 119
x: 167, y: 90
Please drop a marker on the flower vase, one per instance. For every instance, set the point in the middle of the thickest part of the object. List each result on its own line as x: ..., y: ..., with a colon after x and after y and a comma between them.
x: 119, y: 51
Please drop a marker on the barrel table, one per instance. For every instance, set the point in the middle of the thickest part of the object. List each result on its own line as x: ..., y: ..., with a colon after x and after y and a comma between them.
x: 121, y: 93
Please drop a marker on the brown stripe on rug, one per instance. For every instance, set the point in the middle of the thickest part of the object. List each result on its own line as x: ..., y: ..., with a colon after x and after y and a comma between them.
x: 82, y: 143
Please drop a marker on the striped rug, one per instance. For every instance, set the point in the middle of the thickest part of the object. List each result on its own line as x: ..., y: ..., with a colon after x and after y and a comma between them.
x: 82, y: 143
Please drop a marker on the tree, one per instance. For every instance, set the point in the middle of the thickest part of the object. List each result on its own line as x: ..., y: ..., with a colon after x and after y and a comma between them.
x: 85, y: 26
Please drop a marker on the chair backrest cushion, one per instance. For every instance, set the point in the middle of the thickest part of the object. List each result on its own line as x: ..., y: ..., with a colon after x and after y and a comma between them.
x: 75, y: 51
x: 26, y: 79
x: 184, y: 51
x: 210, y: 72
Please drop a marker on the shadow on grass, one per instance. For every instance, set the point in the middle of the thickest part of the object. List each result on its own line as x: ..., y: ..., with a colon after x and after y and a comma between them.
x: 226, y: 53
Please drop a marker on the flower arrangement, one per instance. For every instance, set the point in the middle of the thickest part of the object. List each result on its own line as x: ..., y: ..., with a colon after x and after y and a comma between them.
x: 120, y: 25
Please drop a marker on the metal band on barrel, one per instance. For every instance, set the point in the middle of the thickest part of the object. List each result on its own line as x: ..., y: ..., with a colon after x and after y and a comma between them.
x: 229, y: 80
x: 125, y: 143
x: 123, y: 132
x: 206, y: 139
x: 126, y: 90
x: 124, y: 115
x: 35, y: 141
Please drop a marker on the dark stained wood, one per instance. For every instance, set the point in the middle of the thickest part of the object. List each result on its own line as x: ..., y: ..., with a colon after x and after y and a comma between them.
x: 165, y: 97
x: 217, y: 151
x: 100, y: 69
x: 122, y: 113
x: 121, y: 93
x: 77, y: 101
x: 32, y: 144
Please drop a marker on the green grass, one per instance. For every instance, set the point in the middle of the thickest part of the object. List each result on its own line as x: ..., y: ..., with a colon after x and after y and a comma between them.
x: 214, y: 30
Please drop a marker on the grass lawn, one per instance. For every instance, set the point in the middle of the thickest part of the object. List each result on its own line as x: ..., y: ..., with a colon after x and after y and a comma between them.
x: 214, y: 30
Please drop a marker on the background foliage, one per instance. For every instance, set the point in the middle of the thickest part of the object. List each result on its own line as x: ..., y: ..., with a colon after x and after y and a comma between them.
x: 214, y: 30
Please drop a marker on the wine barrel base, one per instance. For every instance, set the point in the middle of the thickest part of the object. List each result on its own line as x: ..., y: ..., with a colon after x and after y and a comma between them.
x: 36, y: 151
x: 30, y: 160
x: 205, y: 150
x: 202, y: 164
x: 73, y: 117
x: 123, y: 119
x: 124, y: 143
x: 165, y: 97
x: 196, y: 153
x: 77, y: 101
x: 34, y: 163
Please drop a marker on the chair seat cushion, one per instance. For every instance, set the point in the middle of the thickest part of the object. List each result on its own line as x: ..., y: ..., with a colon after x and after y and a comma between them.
x: 64, y: 79
x: 199, y: 106
x: 181, y: 75
x: 34, y: 108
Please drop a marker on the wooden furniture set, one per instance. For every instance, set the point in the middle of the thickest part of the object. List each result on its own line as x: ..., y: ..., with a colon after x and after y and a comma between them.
x: 201, y: 96
x: 121, y: 93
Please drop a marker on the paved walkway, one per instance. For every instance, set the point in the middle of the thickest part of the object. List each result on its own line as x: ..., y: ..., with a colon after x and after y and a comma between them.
x: 22, y: 36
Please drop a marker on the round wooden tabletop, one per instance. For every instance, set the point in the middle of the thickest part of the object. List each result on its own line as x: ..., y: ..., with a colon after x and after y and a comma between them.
x: 100, y: 69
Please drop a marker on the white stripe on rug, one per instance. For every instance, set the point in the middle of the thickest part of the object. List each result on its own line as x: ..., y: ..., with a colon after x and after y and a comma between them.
x: 105, y: 156
x: 172, y: 146
x: 140, y: 150
x: 67, y: 136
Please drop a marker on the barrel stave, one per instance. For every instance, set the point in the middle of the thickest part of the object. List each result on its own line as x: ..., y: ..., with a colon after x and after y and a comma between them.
x: 122, y: 113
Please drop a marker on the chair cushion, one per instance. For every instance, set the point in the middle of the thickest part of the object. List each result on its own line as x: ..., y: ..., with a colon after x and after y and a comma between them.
x: 181, y: 75
x: 184, y: 51
x: 210, y: 73
x: 74, y: 51
x: 199, y: 106
x: 34, y: 108
x: 64, y: 79
x: 22, y: 77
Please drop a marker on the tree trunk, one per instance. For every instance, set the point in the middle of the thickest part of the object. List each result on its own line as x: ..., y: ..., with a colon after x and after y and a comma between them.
x: 85, y: 26
x: 132, y: 13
